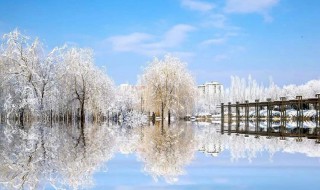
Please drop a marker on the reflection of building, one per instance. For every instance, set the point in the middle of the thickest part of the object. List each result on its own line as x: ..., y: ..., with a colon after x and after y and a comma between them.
x: 210, y: 89
x: 212, y: 148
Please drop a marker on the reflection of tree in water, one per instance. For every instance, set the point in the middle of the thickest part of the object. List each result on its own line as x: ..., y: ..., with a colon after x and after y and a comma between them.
x: 167, y: 150
x: 208, y: 140
x: 61, y: 156
x: 24, y: 157
x: 128, y: 139
x: 241, y: 147
x: 87, y: 149
x: 67, y: 156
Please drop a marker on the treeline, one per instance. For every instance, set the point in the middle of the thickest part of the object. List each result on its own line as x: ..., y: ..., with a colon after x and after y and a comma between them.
x: 64, y: 84
x: 60, y: 84
x: 242, y: 89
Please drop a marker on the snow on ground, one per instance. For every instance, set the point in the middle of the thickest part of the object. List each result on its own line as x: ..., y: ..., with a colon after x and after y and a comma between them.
x: 135, y: 118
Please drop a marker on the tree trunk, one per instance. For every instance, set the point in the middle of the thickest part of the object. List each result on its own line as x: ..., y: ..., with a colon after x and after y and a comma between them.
x: 82, y: 113
x: 153, y: 118
x: 21, y: 116
x: 162, y: 113
x: 51, y: 117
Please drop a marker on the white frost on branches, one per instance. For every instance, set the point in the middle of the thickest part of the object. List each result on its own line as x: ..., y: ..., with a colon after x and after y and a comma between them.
x: 169, y: 84
x: 62, y: 80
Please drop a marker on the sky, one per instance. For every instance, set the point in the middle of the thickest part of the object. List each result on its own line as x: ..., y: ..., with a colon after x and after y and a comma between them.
x: 216, y: 38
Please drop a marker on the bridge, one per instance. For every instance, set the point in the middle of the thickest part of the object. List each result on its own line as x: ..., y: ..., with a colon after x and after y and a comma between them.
x: 298, y: 104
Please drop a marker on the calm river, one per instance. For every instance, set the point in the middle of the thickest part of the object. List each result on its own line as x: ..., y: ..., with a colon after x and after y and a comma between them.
x: 182, y: 156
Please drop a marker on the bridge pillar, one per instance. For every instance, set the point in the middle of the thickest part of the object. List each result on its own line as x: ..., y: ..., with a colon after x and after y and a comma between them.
x: 299, y: 117
x: 229, y: 118
x: 269, y: 115
x: 237, y: 117
x: 283, y: 118
x: 317, y: 119
x: 222, y: 118
x: 246, y: 118
x: 257, y: 110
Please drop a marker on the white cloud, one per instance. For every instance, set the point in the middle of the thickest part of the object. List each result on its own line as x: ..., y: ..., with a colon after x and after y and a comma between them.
x: 251, y: 6
x: 219, y: 21
x: 214, y: 41
x: 177, y: 34
x: 215, y: 20
x: 128, y: 42
x: 148, y: 44
x: 184, y: 55
x: 197, y: 5
x: 219, y: 39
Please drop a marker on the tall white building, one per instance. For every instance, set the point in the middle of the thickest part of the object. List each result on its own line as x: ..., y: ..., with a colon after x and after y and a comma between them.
x: 210, y: 89
x: 210, y: 95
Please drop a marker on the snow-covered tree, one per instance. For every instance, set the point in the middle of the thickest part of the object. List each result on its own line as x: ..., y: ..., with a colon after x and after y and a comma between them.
x: 29, y: 72
x: 169, y: 87
x: 127, y: 100
x: 40, y: 82
x: 85, y: 86
x: 242, y: 89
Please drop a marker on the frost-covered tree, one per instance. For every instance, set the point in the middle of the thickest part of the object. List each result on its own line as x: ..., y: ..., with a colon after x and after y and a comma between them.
x: 127, y: 100
x: 307, y: 90
x: 2, y: 82
x: 242, y: 89
x: 84, y: 85
x: 44, y: 83
x: 169, y: 87
x: 29, y: 72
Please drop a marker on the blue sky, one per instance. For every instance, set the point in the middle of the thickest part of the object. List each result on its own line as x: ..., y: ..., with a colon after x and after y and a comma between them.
x: 217, y: 38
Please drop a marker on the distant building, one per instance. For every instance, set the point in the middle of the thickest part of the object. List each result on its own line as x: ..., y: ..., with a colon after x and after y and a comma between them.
x: 210, y: 89
x: 125, y: 87
x: 134, y: 88
x: 137, y: 92
x: 201, y: 90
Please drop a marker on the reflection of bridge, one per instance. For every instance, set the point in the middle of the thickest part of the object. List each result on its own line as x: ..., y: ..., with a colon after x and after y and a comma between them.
x: 281, y: 106
x: 298, y: 134
x: 248, y: 146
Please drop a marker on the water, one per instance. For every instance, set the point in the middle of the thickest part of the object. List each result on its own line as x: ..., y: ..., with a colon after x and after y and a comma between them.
x: 183, y: 156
